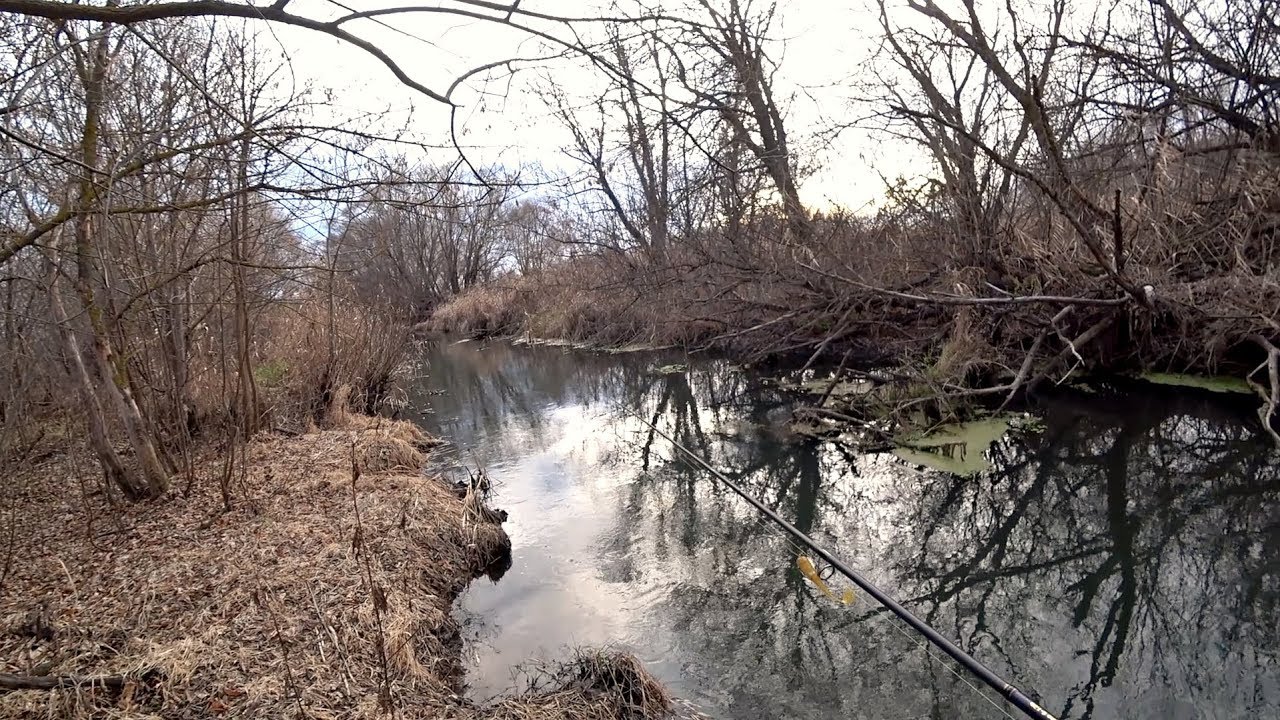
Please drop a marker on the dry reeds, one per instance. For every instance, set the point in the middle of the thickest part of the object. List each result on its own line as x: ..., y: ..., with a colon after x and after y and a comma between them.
x: 480, y: 311
x: 591, y: 300
x: 311, y: 353
x: 594, y: 684
x: 265, y: 611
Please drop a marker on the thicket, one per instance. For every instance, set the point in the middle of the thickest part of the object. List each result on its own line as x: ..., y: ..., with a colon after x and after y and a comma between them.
x: 187, y: 256
x: 1102, y: 195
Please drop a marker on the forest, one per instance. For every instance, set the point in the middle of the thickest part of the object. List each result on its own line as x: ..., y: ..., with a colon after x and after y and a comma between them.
x: 198, y: 250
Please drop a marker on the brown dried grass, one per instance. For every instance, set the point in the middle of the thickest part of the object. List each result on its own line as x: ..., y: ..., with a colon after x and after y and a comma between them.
x: 595, y: 684
x: 381, y: 445
x: 266, y: 611
x: 483, y: 310
x: 589, y: 300
x: 359, y: 354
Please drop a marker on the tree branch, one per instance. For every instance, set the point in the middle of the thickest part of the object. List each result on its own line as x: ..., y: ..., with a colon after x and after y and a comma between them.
x: 136, y: 13
x: 10, y: 682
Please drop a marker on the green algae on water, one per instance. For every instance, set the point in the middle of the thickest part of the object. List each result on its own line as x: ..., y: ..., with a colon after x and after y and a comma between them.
x: 1218, y: 383
x: 958, y: 448
x: 843, y: 388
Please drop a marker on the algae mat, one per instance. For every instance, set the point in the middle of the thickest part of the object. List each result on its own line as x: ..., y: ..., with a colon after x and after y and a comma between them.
x: 959, y: 448
x: 1218, y: 384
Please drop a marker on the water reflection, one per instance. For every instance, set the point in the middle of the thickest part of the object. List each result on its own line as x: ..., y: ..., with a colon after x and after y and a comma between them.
x: 1123, y: 562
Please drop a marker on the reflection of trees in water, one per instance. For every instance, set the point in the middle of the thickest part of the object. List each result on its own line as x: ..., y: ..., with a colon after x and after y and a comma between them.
x: 743, y: 605
x: 1125, y: 562
x: 1140, y: 534
x: 484, y: 388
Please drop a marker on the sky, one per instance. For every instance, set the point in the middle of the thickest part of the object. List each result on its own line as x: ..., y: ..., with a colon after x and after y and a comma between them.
x: 823, y: 48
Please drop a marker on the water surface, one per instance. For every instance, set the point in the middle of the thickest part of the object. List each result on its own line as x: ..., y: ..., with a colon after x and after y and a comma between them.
x: 1121, y: 562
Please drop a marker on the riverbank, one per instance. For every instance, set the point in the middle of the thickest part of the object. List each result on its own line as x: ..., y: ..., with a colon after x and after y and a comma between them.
x: 944, y: 348
x: 322, y: 592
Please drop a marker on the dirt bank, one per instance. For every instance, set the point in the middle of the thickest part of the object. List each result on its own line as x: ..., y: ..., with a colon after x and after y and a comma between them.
x: 316, y: 596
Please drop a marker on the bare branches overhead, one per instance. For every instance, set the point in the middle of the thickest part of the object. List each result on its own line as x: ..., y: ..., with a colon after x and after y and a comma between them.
x: 510, y: 15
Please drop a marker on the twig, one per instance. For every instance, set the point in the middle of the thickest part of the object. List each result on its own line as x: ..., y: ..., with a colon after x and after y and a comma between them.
x: 337, y: 644
x: 1117, y: 234
x: 284, y: 649
x: 1021, y: 377
x: 958, y: 300
x: 835, y: 378
x: 839, y: 330
x: 1271, y: 397
x: 1081, y: 340
x: 11, y: 544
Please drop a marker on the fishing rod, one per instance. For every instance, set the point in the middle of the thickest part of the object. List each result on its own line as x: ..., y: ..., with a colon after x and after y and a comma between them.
x: 1010, y: 693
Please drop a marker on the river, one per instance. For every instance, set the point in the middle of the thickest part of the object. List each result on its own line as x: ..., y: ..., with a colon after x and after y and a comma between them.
x: 1119, y: 559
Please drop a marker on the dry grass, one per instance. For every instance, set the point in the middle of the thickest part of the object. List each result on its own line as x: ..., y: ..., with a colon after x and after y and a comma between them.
x: 293, y: 604
x: 483, y: 310
x: 596, y: 300
x: 595, y: 684
x: 558, y: 303
x: 304, y: 361
x: 381, y: 445
x: 256, y: 612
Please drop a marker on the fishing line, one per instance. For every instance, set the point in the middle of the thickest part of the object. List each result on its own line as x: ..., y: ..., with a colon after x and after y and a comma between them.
x: 1008, y: 691
x: 772, y: 530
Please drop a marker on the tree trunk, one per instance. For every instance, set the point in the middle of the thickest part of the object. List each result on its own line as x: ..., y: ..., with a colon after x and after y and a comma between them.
x: 94, y: 414
x: 247, y: 404
x: 112, y: 376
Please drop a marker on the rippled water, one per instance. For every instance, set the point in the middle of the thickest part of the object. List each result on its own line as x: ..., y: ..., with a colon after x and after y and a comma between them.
x: 1122, y: 562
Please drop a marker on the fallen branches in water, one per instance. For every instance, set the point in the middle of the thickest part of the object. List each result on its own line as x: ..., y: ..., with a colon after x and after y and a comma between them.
x: 1270, y: 395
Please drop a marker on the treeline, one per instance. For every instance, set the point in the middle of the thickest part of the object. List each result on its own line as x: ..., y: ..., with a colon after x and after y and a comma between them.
x: 1103, y: 195
x: 188, y: 255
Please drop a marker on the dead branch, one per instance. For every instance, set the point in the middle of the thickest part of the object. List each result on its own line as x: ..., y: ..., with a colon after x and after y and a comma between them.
x: 10, y: 682
x: 1073, y: 348
x: 941, y: 299
x: 1270, y: 395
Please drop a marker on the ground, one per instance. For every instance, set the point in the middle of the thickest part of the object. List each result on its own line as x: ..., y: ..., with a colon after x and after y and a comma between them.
x: 322, y: 593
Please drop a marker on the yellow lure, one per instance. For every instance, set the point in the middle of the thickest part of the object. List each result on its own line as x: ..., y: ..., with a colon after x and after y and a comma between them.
x: 808, y: 570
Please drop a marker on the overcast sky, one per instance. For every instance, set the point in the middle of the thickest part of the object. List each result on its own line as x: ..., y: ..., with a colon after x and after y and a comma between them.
x: 824, y: 46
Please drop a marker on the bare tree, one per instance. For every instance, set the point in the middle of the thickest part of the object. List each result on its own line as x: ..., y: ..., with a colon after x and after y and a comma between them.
x: 949, y: 104
x: 736, y: 79
x: 130, y: 199
x: 425, y: 234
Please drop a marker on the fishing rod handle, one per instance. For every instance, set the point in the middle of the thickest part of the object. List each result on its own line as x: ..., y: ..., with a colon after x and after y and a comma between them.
x: 1027, y: 705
